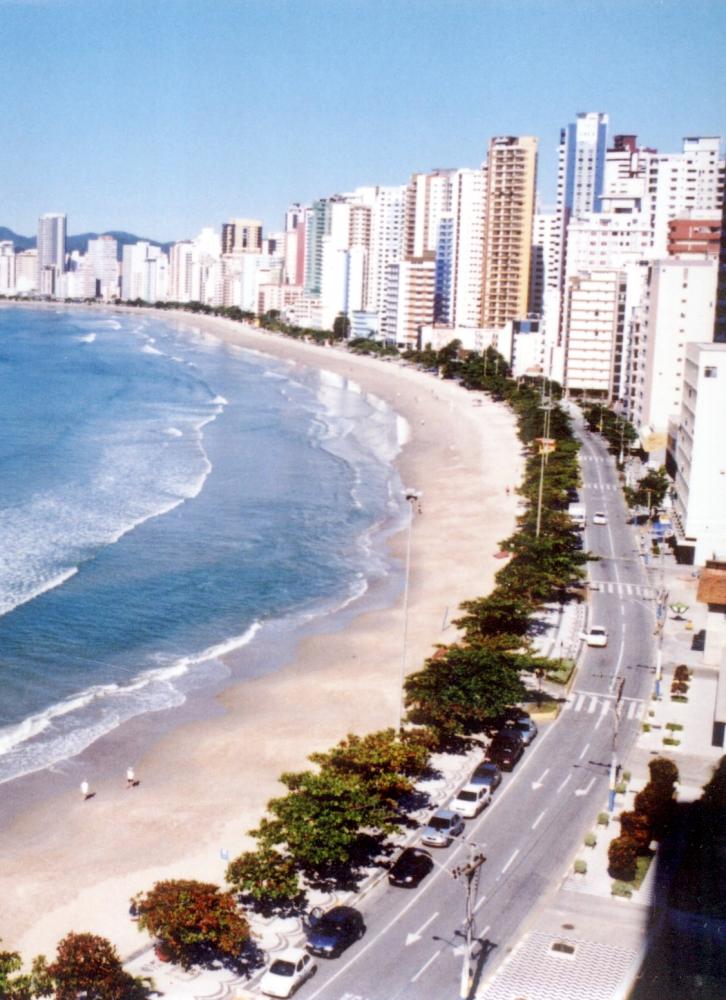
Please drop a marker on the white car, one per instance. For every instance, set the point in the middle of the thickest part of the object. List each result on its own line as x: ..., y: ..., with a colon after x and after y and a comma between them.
x: 597, y: 636
x: 470, y: 800
x: 288, y: 971
x: 599, y: 518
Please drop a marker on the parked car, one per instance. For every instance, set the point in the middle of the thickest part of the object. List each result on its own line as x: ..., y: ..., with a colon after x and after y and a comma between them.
x: 410, y: 867
x: 597, y: 636
x: 506, y: 749
x: 288, y: 971
x: 331, y: 933
x: 441, y: 829
x: 470, y: 800
x: 527, y: 729
x: 599, y: 518
x: 487, y: 773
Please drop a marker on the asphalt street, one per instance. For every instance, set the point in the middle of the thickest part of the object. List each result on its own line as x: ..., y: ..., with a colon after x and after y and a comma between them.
x: 413, y: 948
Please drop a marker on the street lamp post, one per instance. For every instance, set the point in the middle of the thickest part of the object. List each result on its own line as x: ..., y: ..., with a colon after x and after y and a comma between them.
x: 617, y: 708
x: 470, y: 872
x: 412, y: 496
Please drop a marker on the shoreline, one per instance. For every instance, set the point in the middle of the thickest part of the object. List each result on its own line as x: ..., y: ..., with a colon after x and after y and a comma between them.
x: 72, y: 865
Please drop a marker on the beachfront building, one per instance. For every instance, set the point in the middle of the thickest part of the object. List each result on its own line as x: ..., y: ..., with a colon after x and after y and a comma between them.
x: 103, y: 257
x: 410, y: 287
x: 294, y: 246
x: 594, y: 311
x: 7, y: 267
x: 460, y: 251
x: 242, y: 236
x: 144, y: 272
x: 700, y: 480
x: 51, y: 251
x: 510, y: 195
x: 26, y: 272
x: 181, y: 262
x: 678, y: 309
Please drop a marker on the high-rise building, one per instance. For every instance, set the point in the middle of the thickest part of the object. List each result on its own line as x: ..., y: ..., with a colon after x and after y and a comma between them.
x: 510, y: 195
x: 581, y: 165
x: 317, y: 225
x: 428, y: 197
x: 103, y: 257
x: 460, y: 251
x: 144, y: 273
x: 410, y: 287
x: 242, y: 236
x: 594, y: 311
x: 7, y: 267
x: 51, y: 251
x: 26, y: 271
x: 696, y: 233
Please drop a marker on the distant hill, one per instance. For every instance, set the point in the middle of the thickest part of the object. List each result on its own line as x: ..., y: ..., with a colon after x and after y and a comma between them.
x: 80, y: 242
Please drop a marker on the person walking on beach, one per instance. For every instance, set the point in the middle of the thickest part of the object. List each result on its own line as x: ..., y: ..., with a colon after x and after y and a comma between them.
x: 130, y: 777
x: 85, y: 790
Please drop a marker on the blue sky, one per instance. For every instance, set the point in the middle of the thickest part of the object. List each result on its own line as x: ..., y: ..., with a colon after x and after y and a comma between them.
x: 162, y: 116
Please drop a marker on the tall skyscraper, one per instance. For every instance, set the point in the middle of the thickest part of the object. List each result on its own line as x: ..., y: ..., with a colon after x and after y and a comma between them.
x: 510, y: 195
x: 51, y: 251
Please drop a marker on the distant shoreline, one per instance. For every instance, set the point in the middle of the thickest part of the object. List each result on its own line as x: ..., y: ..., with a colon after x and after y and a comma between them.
x: 205, y: 779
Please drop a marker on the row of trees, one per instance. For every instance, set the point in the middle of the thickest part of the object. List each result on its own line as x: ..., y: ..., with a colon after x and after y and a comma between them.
x: 648, y: 820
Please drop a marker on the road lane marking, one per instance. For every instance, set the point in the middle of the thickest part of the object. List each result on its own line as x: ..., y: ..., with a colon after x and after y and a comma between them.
x: 579, y: 702
x: 567, y: 779
x: 481, y: 902
x: 416, y: 936
x: 425, y: 966
x: 593, y: 705
x: 584, y: 751
x: 510, y: 861
x: 540, y: 780
x: 538, y: 820
x: 616, y: 672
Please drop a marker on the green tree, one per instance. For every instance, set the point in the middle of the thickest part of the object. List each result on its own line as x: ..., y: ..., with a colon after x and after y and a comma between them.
x: 88, y: 966
x: 500, y: 620
x: 664, y: 773
x: 341, y: 327
x: 322, y: 816
x: 622, y: 858
x: 636, y: 826
x: 383, y: 760
x: 195, y: 921
x: 267, y: 875
x: 18, y: 985
x: 650, y: 491
x: 460, y: 689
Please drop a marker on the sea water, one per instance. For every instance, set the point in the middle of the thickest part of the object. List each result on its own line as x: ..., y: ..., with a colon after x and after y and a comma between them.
x: 165, y: 499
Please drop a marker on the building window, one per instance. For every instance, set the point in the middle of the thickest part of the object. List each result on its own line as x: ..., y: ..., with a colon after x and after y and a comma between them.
x: 710, y: 371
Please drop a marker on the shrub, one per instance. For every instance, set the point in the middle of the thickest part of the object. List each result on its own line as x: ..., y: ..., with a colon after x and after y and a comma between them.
x: 89, y: 966
x: 646, y: 727
x: 669, y: 741
x: 590, y: 840
x: 621, y: 889
x: 679, y: 687
x: 603, y: 819
x: 682, y: 673
x: 622, y: 857
x: 663, y: 773
x: 674, y: 726
x: 626, y: 776
x: 580, y: 867
x: 637, y: 826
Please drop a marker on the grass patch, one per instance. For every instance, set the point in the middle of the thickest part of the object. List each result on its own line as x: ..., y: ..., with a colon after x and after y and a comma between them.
x: 671, y: 741
x: 673, y: 726
x: 642, y: 864
x: 562, y: 673
x: 545, y: 707
x: 622, y: 889
x: 646, y: 727
x: 679, y: 697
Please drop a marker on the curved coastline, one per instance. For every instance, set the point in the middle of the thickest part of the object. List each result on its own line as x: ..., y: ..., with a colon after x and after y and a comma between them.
x: 72, y: 865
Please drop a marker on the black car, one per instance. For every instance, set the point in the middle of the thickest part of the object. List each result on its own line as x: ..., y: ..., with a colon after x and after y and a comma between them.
x: 505, y: 749
x: 331, y: 933
x: 410, y: 867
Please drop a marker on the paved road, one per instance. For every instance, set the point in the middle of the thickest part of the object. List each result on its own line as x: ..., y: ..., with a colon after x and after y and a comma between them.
x: 413, y: 947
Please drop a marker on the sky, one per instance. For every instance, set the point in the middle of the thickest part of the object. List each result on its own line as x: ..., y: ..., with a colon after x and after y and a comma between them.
x: 163, y: 116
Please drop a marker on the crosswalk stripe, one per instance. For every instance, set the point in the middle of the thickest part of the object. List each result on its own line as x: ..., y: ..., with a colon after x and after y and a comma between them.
x: 593, y: 705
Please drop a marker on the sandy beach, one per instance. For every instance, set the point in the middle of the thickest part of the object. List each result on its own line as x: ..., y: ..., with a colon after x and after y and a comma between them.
x: 70, y: 864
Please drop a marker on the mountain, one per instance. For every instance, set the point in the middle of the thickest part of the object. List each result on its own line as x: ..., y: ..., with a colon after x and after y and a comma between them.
x: 80, y: 242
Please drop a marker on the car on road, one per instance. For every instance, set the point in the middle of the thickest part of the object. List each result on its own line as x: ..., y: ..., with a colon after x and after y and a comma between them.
x: 597, y: 636
x: 599, y: 518
x: 506, y: 749
x: 487, y: 773
x: 287, y: 972
x: 527, y: 729
x: 331, y: 933
x: 410, y: 867
x: 470, y: 800
x: 444, y: 825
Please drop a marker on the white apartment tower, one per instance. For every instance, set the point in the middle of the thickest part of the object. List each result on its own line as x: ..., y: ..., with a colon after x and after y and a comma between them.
x: 594, y: 319
x: 51, y: 251
x: 7, y: 267
x: 103, y: 258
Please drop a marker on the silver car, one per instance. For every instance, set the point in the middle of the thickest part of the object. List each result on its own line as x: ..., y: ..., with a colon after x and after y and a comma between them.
x: 443, y: 826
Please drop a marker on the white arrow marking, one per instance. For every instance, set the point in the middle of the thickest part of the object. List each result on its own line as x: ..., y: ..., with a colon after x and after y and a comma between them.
x: 567, y: 779
x: 416, y: 936
x: 538, y: 782
x: 426, y: 965
x: 584, y: 791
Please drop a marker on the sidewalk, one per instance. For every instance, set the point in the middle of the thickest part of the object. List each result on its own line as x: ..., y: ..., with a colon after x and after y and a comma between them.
x: 587, y: 943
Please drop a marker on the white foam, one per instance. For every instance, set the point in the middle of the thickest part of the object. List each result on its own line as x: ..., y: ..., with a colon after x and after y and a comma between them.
x: 87, y: 338
x: 148, y: 349
x: 220, y: 401
x: 173, y: 432
x: 35, y: 589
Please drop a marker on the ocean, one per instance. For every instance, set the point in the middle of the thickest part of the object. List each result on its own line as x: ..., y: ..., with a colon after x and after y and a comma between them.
x: 166, y: 499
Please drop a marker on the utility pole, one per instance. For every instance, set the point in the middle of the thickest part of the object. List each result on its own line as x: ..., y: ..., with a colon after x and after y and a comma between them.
x: 470, y: 872
x: 412, y: 497
x: 617, y: 708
